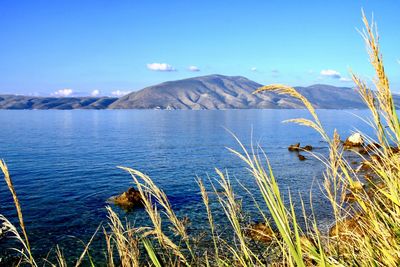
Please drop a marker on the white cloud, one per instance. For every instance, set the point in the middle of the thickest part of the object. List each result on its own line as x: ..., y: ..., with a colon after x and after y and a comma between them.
x: 193, y: 68
x: 253, y: 69
x: 63, y: 92
x: 160, y: 67
x: 334, y: 75
x: 344, y: 79
x: 331, y: 73
x: 119, y: 93
x: 95, y: 92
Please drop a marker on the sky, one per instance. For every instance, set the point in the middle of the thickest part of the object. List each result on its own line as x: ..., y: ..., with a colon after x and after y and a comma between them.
x: 103, y: 47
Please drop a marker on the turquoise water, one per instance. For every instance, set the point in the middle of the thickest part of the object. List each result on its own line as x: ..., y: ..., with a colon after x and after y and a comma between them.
x: 63, y: 163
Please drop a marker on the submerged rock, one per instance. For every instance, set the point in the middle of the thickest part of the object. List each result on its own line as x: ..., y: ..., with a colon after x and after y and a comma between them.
x: 295, y: 147
x: 301, y: 157
x: 261, y: 232
x: 354, y: 140
x: 129, y: 199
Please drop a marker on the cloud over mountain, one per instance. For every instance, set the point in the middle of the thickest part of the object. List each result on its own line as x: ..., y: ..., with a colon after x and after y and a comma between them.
x: 193, y: 68
x: 334, y: 75
x: 63, y: 92
x: 160, y: 67
x: 331, y: 73
x: 95, y: 92
x: 119, y: 93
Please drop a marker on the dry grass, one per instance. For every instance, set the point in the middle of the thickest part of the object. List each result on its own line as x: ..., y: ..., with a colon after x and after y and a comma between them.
x: 26, y: 250
x: 125, y: 240
x: 365, y: 233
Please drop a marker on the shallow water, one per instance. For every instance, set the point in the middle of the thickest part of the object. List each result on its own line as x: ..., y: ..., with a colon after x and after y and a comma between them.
x: 63, y: 163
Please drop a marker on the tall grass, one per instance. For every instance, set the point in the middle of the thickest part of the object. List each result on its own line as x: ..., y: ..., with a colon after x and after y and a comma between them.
x: 25, y: 252
x: 364, y: 233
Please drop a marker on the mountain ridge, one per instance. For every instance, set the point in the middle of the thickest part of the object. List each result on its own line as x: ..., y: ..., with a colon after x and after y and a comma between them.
x: 233, y: 92
x: 64, y: 103
x: 204, y: 92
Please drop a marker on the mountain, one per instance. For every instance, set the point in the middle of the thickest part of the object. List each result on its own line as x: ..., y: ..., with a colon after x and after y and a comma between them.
x: 31, y: 102
x: 227, y: 92
x: 205, y: 92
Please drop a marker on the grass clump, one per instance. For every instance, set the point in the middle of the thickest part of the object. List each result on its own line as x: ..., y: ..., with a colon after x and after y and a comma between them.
x: 365, y: 233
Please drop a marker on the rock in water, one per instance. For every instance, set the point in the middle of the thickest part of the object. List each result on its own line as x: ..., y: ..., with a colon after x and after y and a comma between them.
x: 307, y: 148
x: 261, y: 232
x: 354, y: 140
x: 301, y: 157
x: 294, y: 147
x: 129, y: 199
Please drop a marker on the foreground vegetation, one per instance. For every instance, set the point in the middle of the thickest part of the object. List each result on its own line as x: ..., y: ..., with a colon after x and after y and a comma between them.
x: 365, y: 233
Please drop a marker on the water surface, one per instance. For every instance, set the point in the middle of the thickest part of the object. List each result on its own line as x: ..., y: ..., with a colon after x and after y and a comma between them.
x: 63, y: 163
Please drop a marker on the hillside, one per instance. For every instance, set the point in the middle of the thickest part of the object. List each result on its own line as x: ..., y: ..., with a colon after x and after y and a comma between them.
x: 30, y: 102
x: 205, y: 92
x: 227, y: 92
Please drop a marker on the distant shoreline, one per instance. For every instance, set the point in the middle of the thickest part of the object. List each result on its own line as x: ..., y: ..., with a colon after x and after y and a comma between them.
x: 171, y: 110
x: 211, y: 92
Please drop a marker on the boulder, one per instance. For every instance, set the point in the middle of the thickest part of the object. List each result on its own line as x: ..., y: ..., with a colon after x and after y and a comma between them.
x: 129, y: 199
x: 372, y: 146
x: 369, y: 149
x: 354, y: 140
x: 295, y: 147
x: 307, y: 148
x: 261, y: 232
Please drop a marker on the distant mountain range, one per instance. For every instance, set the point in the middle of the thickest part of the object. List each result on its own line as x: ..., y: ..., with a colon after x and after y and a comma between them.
x: 34, y: 102
x: 205, y: 92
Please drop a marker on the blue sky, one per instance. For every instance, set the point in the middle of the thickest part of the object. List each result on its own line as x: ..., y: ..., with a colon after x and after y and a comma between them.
x: 110, y: 47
